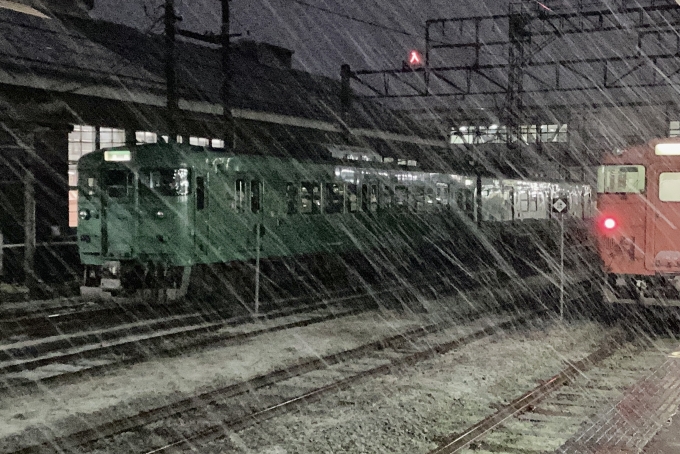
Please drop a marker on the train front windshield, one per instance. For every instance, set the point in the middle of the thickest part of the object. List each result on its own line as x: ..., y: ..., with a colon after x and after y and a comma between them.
x: 621, y: 179
x: 165, y: 182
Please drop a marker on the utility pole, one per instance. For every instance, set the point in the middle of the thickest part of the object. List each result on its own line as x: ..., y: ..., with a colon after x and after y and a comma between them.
x: 345, y: 91
x: 29, y: 228
x: 520, y: 39
x: 170, y: 70
x: 229, y: 130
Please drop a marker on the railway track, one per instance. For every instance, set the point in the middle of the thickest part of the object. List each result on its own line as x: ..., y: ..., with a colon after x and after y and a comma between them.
x: 191, y: 422
x: 59, y: 319
x: 56, y: 318
x: 73, y: 441
x: 550, y: 417
x: 98, y: 358
x: 64, y: 358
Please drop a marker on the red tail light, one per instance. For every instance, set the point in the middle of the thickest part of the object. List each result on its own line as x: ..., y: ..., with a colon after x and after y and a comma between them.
x: 609, y: 224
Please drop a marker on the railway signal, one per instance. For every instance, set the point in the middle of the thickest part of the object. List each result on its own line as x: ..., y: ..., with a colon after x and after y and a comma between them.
x: 415, y: 60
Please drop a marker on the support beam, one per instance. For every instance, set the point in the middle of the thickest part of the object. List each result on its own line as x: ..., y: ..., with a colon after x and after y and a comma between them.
x: 229, y: 129
x: 170, y: 71
x: 530, y: 34
x: 345, y: 91
x: 30, y: 279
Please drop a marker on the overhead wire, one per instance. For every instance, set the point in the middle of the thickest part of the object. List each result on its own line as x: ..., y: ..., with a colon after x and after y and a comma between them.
x: 353, y: 18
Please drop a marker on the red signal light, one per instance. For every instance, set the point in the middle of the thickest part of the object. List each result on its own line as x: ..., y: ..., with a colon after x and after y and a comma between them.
x: 609, y: 223
x: 414, y: 58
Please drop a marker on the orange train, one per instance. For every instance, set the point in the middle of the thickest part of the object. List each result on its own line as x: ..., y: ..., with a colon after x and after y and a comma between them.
x: 638, y: 226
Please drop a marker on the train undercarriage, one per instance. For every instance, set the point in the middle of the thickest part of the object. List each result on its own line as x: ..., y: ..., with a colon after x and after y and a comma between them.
x: 655, y: 290
x: 127, y: 277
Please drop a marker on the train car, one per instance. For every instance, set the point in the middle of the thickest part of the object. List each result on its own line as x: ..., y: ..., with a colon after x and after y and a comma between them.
x: 165, y: 211
x: 637, y: 228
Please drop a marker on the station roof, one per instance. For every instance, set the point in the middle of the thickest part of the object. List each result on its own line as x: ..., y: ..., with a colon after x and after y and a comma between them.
x: 81, y: 56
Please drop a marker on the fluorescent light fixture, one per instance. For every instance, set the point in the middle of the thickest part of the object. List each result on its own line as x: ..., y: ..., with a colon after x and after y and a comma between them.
x: 667, y: 149
x: 117, y: 155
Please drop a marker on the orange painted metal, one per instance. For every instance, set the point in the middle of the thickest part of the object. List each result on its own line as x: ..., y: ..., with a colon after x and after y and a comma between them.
x: 646, y: 238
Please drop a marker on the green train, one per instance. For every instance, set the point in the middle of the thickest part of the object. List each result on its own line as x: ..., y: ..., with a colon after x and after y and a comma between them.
x: 167, y: 209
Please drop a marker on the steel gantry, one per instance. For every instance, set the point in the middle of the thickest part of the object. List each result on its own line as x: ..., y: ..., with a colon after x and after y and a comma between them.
x: 593, y: 48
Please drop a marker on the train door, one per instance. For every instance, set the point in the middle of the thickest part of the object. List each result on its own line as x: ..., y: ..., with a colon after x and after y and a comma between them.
x: 119, y: 222
x: 238, y: 232
x: 202, y: 217
x: 465, y: 201
x: 255, y: 211
x: 663, y: 219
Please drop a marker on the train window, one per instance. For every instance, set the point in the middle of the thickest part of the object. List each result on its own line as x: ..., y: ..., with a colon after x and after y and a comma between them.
x: 417, y: 199
x: 429, y: 198
x: 200, y: 193
x: 310, y: 197
x: 369, y: 198
x: 255, y: 196
x: 166, y: 182
x: 401, y: 197
x: 352, y: 198
x: 386, y: 197
x: 335, y: 196
x: 620, y: 179
x: 460, y: 199
x: 240, y: 195
x: 373, y: 204
x: 533, y: 202
x: 669, y: 187
x: 524, y: 201
x: 292, y: 198
x: 118, y: 183
x: 465, y: 200
x: 442, y: 194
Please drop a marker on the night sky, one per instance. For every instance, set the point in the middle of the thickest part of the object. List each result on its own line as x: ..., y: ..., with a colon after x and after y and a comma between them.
x: 322, y: 41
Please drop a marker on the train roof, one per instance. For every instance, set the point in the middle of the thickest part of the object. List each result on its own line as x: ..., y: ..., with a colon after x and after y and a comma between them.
x: 171, y: 155
x: 162, y: 154
x: 645, y: 154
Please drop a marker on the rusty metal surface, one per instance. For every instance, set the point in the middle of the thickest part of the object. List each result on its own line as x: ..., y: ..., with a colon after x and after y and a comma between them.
x: 635, y: 419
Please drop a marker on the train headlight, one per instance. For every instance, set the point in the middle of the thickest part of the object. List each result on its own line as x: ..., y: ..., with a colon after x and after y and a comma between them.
x: 84, y: 214
x: 609, y: 224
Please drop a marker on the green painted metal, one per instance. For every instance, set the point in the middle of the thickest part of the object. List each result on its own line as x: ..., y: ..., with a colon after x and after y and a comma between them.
x: 180, y: 205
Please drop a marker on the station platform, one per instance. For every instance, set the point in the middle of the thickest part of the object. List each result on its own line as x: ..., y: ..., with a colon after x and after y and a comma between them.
x: 644, y: 420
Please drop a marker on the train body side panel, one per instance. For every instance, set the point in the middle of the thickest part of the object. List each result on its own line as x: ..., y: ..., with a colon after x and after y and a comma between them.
x: 663, y: 218
x: 623, y: 248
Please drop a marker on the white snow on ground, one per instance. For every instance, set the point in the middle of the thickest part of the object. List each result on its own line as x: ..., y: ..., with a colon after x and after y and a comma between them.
x: 407, y: 412
x: 168, y: 379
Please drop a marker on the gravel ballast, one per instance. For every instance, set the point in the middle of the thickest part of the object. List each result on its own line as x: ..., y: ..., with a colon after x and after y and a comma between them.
x: 410, y: 411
